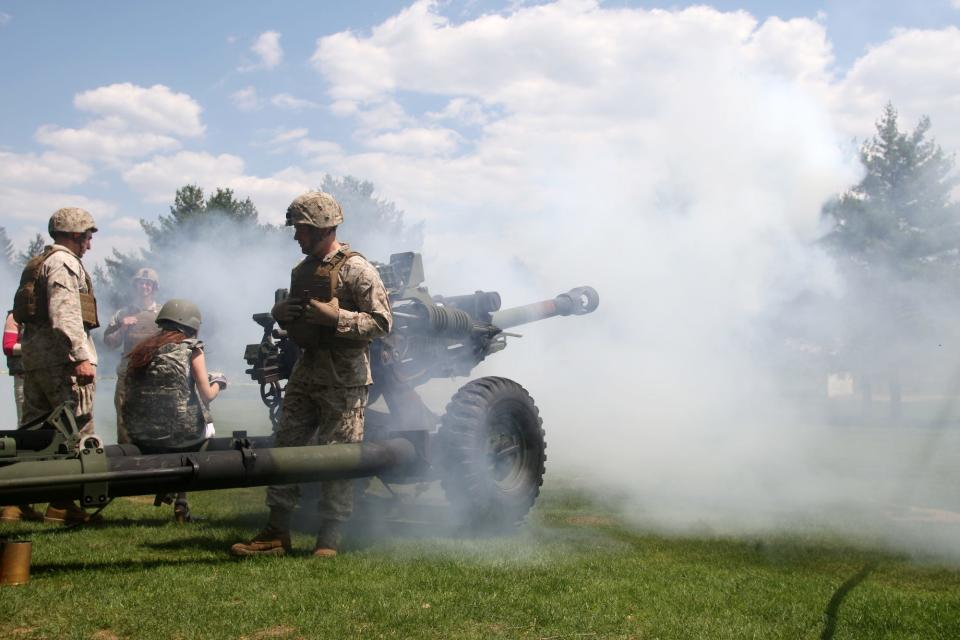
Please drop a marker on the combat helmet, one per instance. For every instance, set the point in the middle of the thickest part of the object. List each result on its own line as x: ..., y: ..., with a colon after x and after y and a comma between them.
x: 181, y: 312
x: 146, y: 273
x: 315, y: 208
x: 71, y: 220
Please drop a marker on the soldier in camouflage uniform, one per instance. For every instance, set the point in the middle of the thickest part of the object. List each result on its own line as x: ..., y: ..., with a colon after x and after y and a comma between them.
x: 55, y: 303
x: 127, y: 327
x: 337, y: 306
x: 169, y: 390
x: 12, y: 331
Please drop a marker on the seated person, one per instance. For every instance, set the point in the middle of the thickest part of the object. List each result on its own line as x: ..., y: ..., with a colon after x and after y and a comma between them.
x: 168, y: 390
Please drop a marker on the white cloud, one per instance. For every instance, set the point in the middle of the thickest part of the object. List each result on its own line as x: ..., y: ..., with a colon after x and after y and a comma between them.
x: 246, y: 99
x: 288, y: 135
x: 463, y: 111
x: 917, y: 71
x: 132, y: 121
x: 418, y: 141
x: 157, y: 180
x: 100, y: 139
x: 125, y: 223
x: 36, y: 205
x: 48, y: 170
x: 5, y: 19
x: 292, y: 103
x: 267, y: 49
x: 156, y: 109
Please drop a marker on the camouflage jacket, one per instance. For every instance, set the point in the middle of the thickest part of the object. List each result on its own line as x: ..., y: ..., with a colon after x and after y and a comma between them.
x: 162, y: 408
x: 61, y: 338
x: 145, y: 327
x: 364, y: 315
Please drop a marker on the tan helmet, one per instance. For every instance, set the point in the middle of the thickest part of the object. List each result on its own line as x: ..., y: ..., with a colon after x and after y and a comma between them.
x: 146, y: 273
x: 181, y: 312
x: 315, y: 208
x: 71, y: 220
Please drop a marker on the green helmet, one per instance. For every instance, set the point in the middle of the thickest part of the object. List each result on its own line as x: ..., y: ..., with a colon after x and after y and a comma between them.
x: 146, y: 273
x: 181, y: 312
x: 71, y: 220
x: 315, y: 208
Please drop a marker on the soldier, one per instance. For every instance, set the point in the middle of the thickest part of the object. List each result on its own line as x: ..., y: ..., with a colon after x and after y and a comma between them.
x: 169, y: 389
x: 12, y: 332
x: 55, y: 303
x: 337, y: 306
x: 128, y: 326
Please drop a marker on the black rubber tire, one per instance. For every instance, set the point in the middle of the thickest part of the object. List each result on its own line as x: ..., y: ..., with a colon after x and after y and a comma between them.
x: 492, y: 453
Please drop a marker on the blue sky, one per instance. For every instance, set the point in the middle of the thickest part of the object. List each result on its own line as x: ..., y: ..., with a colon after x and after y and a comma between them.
x: 271, y: 115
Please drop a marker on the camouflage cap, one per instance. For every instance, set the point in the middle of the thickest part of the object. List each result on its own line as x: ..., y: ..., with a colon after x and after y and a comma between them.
x: 71, y: 220
x: 146, y: 273
x: 315, y: 208
x: 181, y: 312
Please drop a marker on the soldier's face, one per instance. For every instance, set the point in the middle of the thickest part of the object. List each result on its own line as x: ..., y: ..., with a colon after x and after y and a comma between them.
x: 84, y: 241
x: 143, y: 287
x: 307, y: 237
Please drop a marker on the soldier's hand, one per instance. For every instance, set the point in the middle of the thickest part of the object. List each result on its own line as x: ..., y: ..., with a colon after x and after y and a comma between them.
x: 84, y: 372
x: 325, y: 314
x: 218, y: 377
x: 129, y: 321
x: 287, y: 310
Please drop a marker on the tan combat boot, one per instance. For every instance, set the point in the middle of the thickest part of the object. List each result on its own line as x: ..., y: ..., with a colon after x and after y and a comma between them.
x: 269, y: 542
x: 20, y: 512
x: 69, y: 513
x: 328, y: 540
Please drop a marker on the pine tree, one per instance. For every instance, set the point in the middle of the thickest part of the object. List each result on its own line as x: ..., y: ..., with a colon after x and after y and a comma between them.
x: 900, y: 217
x: 34, y: 248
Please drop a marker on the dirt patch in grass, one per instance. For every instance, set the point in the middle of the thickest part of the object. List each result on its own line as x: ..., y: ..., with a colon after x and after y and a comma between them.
x: 279, y: 631
x: 140, y: 499
x: 22, y: 632
x: 104, y: 634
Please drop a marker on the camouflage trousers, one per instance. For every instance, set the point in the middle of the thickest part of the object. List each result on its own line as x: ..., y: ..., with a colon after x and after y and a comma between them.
x: 119, y: 394
x: 46, y: 389
x: 18, y: 395
x: 325, y: 415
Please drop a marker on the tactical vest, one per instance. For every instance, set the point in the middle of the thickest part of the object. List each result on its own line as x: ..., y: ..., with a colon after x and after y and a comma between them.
x: 145, y: 327
x: 314, y: 279
x: 30, y: 301
x: 162, y: 409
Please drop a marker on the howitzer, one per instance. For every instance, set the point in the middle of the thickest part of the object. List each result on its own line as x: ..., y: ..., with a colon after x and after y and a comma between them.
x: 488, y: 448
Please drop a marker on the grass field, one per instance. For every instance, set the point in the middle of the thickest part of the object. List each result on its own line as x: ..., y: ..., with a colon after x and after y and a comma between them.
x: 575, y: 571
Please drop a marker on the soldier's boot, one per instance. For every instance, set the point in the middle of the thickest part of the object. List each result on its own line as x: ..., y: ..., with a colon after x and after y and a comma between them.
x: 181, y: 511
x: 20, y: 512
x: 69, y: 513
x: 328, y: 540
x: 269, y: 542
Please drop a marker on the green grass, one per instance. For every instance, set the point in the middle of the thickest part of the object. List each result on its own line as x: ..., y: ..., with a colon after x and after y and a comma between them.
x: 575, y: 571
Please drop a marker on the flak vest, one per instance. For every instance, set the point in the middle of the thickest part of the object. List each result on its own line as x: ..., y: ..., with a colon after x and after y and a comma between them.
x: 313, y: 279
x: 162, y: 408
x: 30, y: 301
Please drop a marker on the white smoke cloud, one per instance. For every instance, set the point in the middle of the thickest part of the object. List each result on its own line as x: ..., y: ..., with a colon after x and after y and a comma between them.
x: 685, y: 183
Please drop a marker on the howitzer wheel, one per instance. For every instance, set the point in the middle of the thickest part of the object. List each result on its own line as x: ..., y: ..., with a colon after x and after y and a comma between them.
x: 492, y: 450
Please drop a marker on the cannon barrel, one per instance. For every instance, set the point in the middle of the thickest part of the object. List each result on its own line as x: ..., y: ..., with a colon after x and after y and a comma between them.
x: 112, y: 472
x: 577, y: 301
